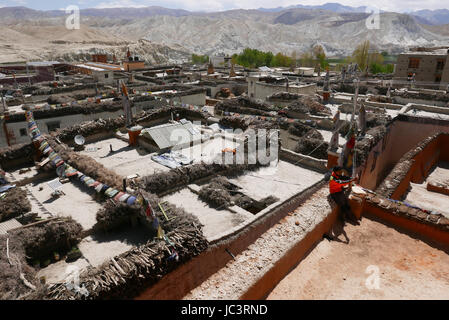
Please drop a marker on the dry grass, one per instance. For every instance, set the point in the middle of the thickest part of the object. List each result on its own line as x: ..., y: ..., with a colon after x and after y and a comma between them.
x: 141, y: 266
x: 41, y: 241
x: 14, y: 204
x: 38, y: 242
x: 312, y: 147
x: 11, y: 285
x: 216, y: 193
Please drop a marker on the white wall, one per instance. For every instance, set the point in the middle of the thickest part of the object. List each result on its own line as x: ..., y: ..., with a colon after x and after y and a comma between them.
x: 219, y: 61
x: 261, y: 90
x: 65, y: 121
x: 198, y: 99
x: 100, y: 76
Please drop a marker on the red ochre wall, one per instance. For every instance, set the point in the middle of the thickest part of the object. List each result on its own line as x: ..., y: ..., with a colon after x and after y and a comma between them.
x: 444, y: 150
x: 434, y: 152
x: 415, y: 227
x: 402, y: 137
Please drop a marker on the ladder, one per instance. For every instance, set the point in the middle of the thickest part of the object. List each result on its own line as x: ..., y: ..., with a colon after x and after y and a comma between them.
x: 165, y: 210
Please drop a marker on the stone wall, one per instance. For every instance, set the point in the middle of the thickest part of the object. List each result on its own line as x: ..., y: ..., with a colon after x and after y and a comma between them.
x: 432, y: 226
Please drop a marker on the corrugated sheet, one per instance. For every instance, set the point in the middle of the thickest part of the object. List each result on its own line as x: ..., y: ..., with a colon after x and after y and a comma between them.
x: 162, y: 135
x: 8, y: 225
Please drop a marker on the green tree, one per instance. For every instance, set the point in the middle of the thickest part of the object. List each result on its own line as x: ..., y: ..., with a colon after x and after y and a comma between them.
x: 253, y: 58
x: 375, y: 57
x: 381, y: 68
x: 306, y: 59
x: 389, y: 68
x: 360, y: 54
x: 320, y: 56
x: 281, y: 60
x: 199, y: 59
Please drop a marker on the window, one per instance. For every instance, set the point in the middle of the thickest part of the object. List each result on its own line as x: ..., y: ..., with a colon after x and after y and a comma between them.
x: 106, y: 75
x: 413, y: 63
x: 52, y: 126
x: 440, y: 64
x: 438, y: 78
x: 23, y: 132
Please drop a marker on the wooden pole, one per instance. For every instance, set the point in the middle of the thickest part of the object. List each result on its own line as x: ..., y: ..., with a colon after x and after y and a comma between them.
x: 3, y: 102
x: 356, y: 96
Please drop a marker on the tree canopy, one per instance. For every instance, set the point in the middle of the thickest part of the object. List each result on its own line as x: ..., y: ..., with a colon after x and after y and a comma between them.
x: 253, y: 58
x: 199, y: 59
x: 366, y: 56
x: 313, y: 57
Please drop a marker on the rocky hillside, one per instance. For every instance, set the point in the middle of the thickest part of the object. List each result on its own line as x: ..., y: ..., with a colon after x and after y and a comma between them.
x: 442, y: 29
x: 48, y: 39
x: 162, y: 35
x: 285, y: 31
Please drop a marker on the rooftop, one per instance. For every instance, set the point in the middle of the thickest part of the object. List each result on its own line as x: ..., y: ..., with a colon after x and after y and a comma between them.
x: 253, y: 217
x: 97, y: 66
x: 407, y: 268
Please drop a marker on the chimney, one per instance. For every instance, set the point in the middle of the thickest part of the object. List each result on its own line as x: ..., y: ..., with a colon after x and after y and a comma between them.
x: 210, y: 68
x: 232, y: 72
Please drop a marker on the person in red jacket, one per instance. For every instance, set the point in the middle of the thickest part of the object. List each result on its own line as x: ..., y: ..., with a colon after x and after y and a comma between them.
x: 337, y: 184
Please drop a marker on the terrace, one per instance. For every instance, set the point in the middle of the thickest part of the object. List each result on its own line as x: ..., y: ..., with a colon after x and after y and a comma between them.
x: 258, y: 221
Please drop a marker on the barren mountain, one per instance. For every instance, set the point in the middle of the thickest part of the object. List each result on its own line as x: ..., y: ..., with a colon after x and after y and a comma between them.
x: 442, y: 29
x: 286, y: 31
x: 166, y: 35
x: 37, y: 41
x: 433, y: 17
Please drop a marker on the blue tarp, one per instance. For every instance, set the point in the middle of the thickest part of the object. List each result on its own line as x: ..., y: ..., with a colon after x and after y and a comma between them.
x: 172, y: 159
x: 6, y: 187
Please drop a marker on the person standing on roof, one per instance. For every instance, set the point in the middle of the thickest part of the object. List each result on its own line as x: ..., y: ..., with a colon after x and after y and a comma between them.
x: 337, y: 184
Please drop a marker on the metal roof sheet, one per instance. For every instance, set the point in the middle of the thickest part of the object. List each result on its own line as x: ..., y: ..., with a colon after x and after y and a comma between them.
x: 9, y: 225
x: 166, y: 137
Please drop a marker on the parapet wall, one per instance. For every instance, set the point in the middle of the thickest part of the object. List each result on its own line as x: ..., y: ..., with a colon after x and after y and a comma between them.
x: 415, y: 165
x: 438, y: 98
x: 432, y: 226
x: 300, y: 159
x: 179, y: 282
x: 21, y: 154
x: 381, y: 153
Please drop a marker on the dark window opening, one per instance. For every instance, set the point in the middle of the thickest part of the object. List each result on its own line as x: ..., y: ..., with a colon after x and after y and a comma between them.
x: 23, y: 132
x: 53, y: 126
x: 413, y: 63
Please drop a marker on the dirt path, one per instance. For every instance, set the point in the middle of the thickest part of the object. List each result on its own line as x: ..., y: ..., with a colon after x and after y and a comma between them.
x: 408, y: 268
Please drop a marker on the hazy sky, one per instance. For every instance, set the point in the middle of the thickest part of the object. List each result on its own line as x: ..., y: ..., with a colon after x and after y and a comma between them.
x: 219, y: 5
